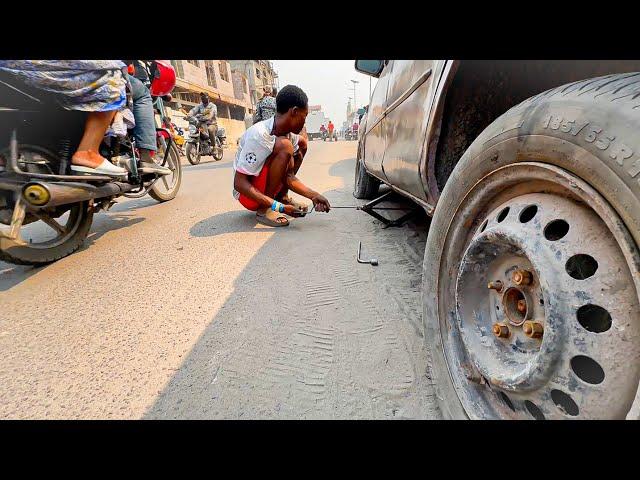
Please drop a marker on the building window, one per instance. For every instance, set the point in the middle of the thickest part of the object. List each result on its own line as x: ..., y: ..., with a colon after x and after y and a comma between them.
x: 177, y: 66
x: 194, y: 62
x: 244, y: 86
x: 224, y: 70
x: 258, y: 73
x: 211, y: 74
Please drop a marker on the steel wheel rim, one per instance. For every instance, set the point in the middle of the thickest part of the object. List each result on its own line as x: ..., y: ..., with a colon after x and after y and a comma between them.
x: 71, y: 227
x: 548, y: 386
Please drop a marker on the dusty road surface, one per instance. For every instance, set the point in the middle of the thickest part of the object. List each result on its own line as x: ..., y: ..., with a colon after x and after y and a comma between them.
x: 190, y: 309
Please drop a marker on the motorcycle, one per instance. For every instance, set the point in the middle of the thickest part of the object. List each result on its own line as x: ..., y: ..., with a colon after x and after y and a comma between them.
x: 331, y: 137
x: 199, y: 143
x: 48, y: 208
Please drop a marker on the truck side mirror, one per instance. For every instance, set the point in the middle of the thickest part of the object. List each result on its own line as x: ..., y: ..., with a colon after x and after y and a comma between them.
x: 370, y: 67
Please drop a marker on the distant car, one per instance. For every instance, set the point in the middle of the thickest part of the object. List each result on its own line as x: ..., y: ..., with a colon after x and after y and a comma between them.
x: 531, y: 273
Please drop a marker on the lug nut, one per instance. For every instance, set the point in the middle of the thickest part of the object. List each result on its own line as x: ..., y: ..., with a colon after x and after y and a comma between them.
x: 533, y: 329
x: 500, y: 330
x: 522, y: 306
x: 522, y: 277
x: 497, y: 286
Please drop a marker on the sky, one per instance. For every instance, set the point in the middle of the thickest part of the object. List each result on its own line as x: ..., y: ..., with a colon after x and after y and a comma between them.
x: 326, y: 83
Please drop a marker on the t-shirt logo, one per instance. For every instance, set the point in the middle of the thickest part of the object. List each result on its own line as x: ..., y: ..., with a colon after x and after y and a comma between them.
x: 250, y: 157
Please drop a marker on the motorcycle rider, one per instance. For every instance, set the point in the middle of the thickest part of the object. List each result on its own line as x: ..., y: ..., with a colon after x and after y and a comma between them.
x: 145, y: 130
x: 94, y: 86
x: 206, y: 114
x: 99, y: 81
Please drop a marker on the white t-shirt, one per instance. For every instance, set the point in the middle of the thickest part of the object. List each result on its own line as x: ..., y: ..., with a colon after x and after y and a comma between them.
x: 256, y: 144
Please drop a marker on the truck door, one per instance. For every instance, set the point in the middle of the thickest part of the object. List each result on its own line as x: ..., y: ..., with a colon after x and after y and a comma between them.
x: 374, y: 141
x: 407, y: 113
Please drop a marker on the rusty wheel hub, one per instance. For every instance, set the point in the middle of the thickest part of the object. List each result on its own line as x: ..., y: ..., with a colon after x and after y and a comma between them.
x: 547, y: 312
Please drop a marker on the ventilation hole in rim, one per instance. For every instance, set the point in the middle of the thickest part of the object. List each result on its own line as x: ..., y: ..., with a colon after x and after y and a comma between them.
x: 555, y: 230
x: 534, y: 410
x: 528, y: 213
x: 581, y: 266
x: 541, y: 301
x: 564, y: 402
x: 503, y: 214
x: 484, y: 225
x: 594, y: 318
x: 587, y: 369
x: 507, y: 401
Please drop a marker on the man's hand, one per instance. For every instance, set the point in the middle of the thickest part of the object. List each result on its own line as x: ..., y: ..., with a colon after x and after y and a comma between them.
x: 294, y: 211
x: 321, y: 204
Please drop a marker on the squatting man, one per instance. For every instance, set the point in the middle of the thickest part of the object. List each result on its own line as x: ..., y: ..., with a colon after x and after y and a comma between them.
x: 270, y: 155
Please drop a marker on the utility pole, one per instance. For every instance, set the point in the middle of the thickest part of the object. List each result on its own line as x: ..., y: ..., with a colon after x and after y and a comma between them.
x: 355, y: 102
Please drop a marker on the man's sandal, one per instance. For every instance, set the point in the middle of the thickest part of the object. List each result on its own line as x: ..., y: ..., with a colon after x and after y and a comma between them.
x: 271, y: 218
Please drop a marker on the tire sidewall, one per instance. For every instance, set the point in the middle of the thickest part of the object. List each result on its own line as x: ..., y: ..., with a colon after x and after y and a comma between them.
x: 25, y: 256
x: 522, y: 135
x: 161, y: 197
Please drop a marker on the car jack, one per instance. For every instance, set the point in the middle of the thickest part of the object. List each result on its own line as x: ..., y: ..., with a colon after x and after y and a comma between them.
x: 369, y: 208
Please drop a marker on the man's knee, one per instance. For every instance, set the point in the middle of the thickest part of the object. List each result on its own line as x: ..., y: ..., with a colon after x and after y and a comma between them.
x: 283, y: 146
x: 139, y: 92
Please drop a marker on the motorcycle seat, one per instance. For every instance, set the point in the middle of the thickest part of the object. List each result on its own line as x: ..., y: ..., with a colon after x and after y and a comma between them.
x: 18, y: 95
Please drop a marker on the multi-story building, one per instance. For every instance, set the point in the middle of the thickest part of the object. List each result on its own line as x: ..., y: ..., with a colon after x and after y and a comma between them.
x: 259, y: 73
x: 229, y: 90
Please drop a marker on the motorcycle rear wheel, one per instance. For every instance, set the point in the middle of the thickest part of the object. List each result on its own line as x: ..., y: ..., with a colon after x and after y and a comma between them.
x: 70, y: 237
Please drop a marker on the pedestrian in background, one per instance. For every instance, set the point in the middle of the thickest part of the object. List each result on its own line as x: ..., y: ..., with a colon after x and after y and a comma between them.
x: 266, y: 107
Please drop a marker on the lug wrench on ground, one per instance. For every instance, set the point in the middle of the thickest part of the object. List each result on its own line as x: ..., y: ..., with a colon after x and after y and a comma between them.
x: 373, y: 261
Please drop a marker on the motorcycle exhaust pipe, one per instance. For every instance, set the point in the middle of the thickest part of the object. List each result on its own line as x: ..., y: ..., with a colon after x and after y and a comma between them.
x: 51, y: 194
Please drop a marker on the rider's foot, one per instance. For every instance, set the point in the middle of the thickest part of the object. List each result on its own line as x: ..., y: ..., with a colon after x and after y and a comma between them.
x: 153, y: 167
x: 89, y: 161
x: 148, y: 164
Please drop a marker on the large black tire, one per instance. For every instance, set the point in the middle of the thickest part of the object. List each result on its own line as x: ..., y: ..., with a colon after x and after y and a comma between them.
x: 191, y: 156
x: 157, y: 192
x: 25, y: 255
x: 365, y: 186
x: 589, y: 129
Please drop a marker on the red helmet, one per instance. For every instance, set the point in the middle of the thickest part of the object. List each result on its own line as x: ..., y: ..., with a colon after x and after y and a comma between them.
x: 164, y: 78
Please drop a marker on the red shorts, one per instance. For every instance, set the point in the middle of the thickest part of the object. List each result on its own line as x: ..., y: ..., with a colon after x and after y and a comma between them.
x: 260, y: 183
